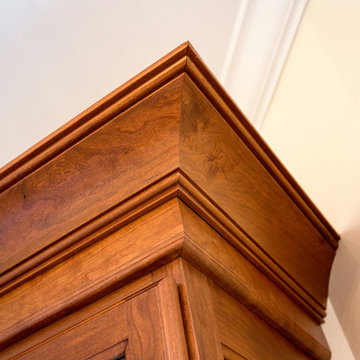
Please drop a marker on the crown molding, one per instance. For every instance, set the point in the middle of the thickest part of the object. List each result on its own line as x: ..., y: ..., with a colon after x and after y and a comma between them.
x: 168, y: 142
x: 183, y: 59
x: 261, y: 40
x: 174, y: 184
x: 176, y: 198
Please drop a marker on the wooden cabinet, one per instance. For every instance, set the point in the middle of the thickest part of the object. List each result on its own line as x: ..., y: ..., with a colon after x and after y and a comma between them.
x: 158, y: 225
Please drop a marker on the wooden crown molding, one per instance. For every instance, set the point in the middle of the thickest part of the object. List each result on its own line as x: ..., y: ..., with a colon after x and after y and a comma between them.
x: 167, y: 150
x: 122, y: 261
x: 183, y: 60
x: 174, y: 184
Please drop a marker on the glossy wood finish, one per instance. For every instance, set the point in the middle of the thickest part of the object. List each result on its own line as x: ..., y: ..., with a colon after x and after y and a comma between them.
x: 83, y: 182
x: 164, y: 177
x: 244, y: 333
x: 219, y: 163
x: 169, y: 231
x: 206, y: 250
x: 201, y: 328
x: 153, y: 239
x: 143, y: 323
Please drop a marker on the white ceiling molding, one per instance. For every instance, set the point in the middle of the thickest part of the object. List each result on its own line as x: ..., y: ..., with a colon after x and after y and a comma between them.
x: 262, y: 36
x: 238, y: 25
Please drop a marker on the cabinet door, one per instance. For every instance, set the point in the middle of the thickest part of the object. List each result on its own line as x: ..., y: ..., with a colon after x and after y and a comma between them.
x: 146, y: 325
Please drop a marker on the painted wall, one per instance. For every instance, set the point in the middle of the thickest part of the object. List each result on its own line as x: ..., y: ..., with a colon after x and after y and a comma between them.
x: 59, y: 57
x: 313, y: 125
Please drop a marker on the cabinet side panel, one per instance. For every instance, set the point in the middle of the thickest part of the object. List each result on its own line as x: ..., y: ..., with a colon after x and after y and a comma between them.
x: 210, y: 253
x: 247, y: 335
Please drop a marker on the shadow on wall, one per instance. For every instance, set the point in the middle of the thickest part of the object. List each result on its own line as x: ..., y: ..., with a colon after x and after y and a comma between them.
x: 345, y: 285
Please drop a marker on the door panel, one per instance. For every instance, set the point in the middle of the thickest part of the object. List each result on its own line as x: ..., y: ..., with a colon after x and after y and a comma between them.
x: 145, y: 325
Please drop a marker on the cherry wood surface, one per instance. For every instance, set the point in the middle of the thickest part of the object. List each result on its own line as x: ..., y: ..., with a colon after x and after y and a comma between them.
x: 174, y: 124
x: 152, y: 317
x: 161, y: 197
x: 146, y: 324
x: 243, y: 332
x: 102, y: 170
x: 206, y: 250
x: 203, y: 338
x: 152, y: 239
x: 223, y: 167
x: 169, y: 231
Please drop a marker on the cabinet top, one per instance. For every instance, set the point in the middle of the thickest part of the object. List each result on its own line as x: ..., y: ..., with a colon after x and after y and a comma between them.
x: 171, y: 125
x: 183, y: 59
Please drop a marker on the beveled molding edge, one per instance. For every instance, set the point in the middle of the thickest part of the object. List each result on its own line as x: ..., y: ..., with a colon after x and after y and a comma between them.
x: 183, y: 59
x: 174, y: 184
x: 97, y: 228
x: 233, y: 285
x: 219, y: 220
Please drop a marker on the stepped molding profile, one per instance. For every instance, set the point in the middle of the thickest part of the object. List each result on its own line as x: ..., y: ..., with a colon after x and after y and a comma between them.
x: 164, y: 175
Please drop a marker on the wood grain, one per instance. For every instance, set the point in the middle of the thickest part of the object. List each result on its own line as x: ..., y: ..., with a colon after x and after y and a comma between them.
x: 148, y: 242
x: 162, y: 234
x: 146, y: 82
x: 80, y: 171
x: 183, y: 59
x: 92, y: 309
x: 273, y: 227
x: 103, y: 170
x: 207, y: 251
x: 230, y: 354
x: 220, y: 221
x: 212, y: 89
x: 93, y: 231
x: 160, y: 206
x: 243, y: 332
x: 137, y: 326
x: 199, y: 318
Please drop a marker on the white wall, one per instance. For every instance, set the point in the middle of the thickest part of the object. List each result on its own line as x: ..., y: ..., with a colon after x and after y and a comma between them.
x: 313, y: 125
x: 340, y: 349
x: 59, y: 57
